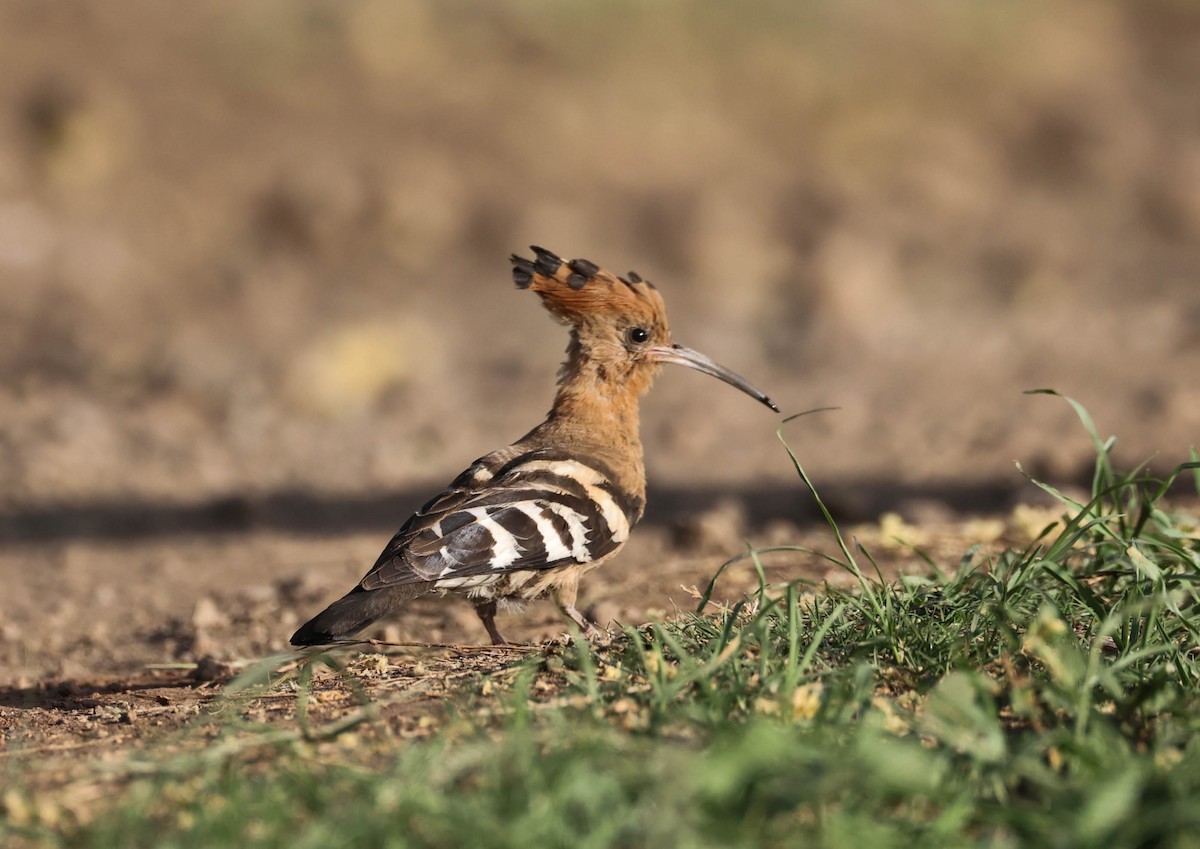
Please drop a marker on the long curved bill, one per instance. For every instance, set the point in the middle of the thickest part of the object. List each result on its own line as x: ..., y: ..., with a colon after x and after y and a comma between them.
x: 682, y: 356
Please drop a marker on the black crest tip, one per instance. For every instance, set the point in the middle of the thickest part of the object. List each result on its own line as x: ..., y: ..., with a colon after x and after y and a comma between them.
x: 523, y: 271
x: 547, y: 262
x: 576, y: 280
x: 585, y: 267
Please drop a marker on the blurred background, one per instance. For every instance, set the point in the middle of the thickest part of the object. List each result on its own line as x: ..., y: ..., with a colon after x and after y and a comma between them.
x: 252, y: 251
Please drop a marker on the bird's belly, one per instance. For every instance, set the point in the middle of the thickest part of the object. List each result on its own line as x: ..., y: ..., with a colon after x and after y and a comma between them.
x: 528, y: 585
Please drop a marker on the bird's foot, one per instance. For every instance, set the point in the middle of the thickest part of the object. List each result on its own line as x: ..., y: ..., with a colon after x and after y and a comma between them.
x: 589, y: 628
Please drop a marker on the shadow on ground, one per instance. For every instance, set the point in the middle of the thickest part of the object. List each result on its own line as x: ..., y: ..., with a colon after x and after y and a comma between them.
x: 308, y: 513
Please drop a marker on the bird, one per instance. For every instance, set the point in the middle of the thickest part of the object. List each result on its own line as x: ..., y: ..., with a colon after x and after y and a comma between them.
x: 534, y: 517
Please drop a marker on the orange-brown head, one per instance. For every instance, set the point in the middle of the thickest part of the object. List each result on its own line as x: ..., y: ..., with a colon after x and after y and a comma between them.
x: 620, y: 333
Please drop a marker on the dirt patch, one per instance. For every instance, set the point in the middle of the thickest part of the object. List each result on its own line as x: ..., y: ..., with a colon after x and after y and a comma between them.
x: 114, y: 665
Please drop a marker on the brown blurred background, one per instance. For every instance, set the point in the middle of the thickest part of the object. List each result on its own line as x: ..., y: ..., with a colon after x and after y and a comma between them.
x: 256, y: 253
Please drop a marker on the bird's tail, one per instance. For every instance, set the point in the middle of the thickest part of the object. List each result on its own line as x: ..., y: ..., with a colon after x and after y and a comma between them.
x: 350, y: 614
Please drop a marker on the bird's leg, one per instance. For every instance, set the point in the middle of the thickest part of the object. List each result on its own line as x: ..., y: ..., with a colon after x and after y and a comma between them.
x: 487, y: 614
x: 564, y: 598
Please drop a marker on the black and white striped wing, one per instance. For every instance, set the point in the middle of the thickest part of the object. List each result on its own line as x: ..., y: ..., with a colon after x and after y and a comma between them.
x: 538, y: 511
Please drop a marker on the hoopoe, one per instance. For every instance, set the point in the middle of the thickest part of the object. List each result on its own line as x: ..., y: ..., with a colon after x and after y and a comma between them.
x: 536, y: 516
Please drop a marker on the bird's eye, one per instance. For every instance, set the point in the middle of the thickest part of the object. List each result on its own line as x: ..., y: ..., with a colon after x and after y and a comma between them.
x: 637, y: 335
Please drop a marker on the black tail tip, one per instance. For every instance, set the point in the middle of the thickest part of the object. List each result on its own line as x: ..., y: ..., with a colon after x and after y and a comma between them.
x: 303, y: 639
x: 345, y: 617
x: 324, y: 629
x: 307, y: 635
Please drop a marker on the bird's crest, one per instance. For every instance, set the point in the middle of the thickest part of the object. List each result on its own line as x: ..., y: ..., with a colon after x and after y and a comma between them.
x: 577, y: 290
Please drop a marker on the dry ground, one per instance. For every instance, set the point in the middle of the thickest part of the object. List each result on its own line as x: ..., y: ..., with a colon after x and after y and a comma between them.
x: 93, y: 668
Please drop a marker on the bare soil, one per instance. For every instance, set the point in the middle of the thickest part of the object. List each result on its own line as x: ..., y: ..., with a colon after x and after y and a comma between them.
x: 164, y: 624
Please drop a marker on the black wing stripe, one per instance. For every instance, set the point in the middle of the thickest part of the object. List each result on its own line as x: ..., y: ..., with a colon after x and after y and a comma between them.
x: 452, y: 523
x: 562, y: 538
x: 517, y: 522
x: 546, y: 457
x: 510, y: 495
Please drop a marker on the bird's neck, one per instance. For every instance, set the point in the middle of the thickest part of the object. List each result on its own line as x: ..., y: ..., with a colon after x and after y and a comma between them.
x: 608, y: 414
x: 596, y: 410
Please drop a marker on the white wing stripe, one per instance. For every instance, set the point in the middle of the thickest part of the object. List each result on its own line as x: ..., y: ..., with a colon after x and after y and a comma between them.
x: 555, y: 550
x: 613, y: 515
x: 586, y: 475
x: 467, y: 582
x: 505, y: 548
x: 576, y: 527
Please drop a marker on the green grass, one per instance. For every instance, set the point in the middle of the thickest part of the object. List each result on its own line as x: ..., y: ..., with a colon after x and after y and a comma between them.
x: 1046, y: 696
